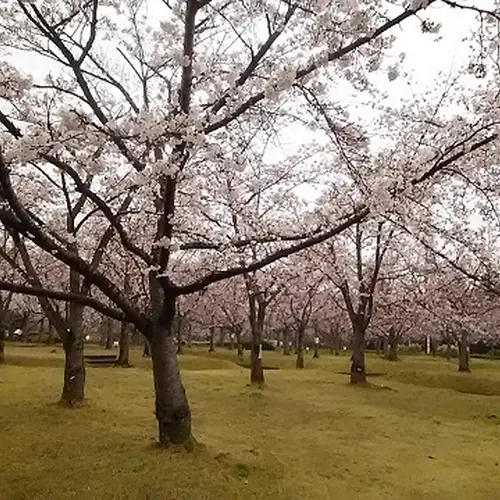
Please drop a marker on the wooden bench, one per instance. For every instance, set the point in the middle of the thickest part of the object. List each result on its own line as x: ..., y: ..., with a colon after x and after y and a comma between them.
x: 101, y: 359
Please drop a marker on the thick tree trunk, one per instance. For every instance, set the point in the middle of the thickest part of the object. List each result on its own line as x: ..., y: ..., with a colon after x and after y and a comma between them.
x: 358, y: 373
x: 257, y: 305
x: 172, y: 408
x: 463, y: 353
x: 123, y: 356
x: 299, y: 362
x: 146, y: 352
x: 256, y: 369
x: 392, y: 355
x: 74, y: 364
x: 286, y: 341
x: 211, y: 347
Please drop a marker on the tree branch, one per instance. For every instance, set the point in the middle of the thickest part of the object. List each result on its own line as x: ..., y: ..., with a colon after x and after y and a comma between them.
x: 65, y: 297
x: 216, y: 276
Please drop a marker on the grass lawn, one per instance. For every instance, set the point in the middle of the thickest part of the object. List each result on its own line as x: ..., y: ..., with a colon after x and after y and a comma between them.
x: 421, y: 431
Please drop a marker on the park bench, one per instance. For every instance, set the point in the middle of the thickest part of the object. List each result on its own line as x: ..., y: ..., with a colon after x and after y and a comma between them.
x: 100, y: 359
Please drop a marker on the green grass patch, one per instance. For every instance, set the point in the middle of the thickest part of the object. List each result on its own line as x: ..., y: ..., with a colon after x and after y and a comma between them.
x: 306, y: 434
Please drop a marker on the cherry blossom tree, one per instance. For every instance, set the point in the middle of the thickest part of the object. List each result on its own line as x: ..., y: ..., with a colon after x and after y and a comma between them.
x: 155, y: 106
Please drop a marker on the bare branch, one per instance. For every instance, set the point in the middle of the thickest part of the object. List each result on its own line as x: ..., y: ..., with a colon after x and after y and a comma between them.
x: 66, y: 297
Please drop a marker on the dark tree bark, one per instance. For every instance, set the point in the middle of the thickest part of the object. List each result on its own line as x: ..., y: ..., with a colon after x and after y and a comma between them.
x: 123, y: 356
x: 74, y: 364
x: 40, y: 330
x: 24, y: 326
x: 257, y: 315
x: 393, y: 341
x: 358, y: 373
x: 51, y: 339
x: 109, y: 333
x: 171, y: 404
x: 189, y: 333
x: 433, y: 347
x: 146, y: 352
x: 360, y: 310
x: 125, y: 330
x: 299, y: 363
x: 463, y: 352
x: 316, y: 342
x: 239, y: 345
x: 295, y: 343
x: 286, y: 341
x: 211, y: 347
x: 336, y: 340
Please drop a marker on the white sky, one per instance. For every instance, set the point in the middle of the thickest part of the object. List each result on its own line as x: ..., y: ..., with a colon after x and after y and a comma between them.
x: 428, y: 62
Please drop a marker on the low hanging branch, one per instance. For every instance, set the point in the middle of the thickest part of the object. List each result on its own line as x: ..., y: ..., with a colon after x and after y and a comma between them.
x: 19, y: 220
x: 65, y: 297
